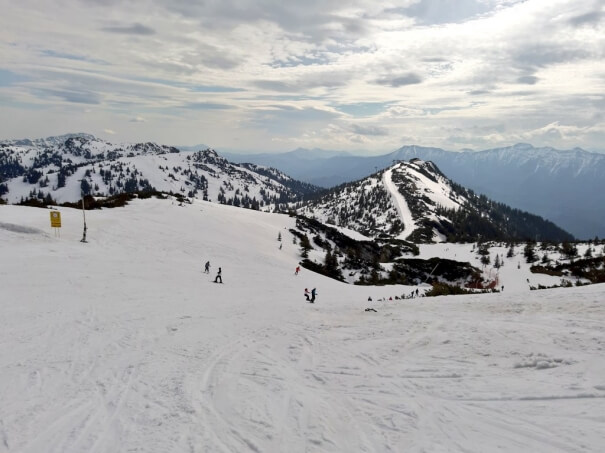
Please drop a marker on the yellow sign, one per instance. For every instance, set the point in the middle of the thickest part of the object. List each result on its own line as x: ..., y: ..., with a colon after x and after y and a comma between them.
x: 55, y: 219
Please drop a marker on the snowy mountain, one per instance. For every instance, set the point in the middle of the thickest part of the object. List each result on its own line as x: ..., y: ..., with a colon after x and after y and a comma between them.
x: 566, y: 187
x: 413, y: 200
x: 63, y: 168
x: 563, y: 186
x: 124, y: 344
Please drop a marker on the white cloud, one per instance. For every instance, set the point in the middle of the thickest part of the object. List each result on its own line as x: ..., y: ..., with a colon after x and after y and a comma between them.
x: 520, y: 63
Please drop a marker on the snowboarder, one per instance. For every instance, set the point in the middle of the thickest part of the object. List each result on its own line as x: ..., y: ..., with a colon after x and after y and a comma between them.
x: 218, y: 276
x: 313, y: 294
x: 207, y: 267
x: 297, y: 270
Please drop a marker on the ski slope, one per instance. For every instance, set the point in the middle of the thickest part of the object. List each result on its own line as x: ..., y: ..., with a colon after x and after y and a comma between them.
x: 402, y: 207
x: 124, y: 344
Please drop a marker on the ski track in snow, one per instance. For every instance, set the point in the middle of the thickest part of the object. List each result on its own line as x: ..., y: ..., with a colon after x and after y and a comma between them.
x: 123, y: 344
x: 400, y: 203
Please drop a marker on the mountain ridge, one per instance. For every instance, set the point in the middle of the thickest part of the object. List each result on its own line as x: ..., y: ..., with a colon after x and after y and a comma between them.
x: 563, y: 186
x: 413, y: 200
x: 82, y: 164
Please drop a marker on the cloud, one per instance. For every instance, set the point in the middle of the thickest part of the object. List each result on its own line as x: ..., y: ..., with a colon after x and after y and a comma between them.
x: 134, y: 29
x: 369, y: 130
x: 434, y: 12
x: 363, y: 109
x: 255, y: 71
x: 399, y: 81
x: 72, y: 95
x: 590, y: 18
x: 138, y: 119
x: 109, y: 131
x: 206, y: 106
x: 528, y: 80
x: 324, y: 79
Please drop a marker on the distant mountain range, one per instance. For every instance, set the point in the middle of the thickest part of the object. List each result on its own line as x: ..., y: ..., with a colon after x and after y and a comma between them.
x: 414, y: 201
x: 566, y: 187
x: 63, y: 168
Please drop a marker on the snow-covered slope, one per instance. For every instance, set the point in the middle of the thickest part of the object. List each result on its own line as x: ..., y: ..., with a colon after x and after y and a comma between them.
x: 63, y: 167
x: 124, y: 344
x: 413, y: 200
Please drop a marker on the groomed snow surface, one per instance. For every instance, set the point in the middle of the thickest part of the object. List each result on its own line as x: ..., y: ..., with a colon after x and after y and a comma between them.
x: 124, y: 344
x: 402, y: 206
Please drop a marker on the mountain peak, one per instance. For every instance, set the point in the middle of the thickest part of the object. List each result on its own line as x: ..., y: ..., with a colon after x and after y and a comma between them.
x: 414, y: 201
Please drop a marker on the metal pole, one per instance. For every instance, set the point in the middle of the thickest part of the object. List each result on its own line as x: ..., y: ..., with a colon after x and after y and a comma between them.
x: 84, y: 215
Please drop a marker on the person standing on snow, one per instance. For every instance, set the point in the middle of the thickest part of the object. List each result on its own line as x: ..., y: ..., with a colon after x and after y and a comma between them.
x: 297, y: 270
x: 218, y: 276
x: 307, y: 295
x: 207, y: 267
x: 313, y: 294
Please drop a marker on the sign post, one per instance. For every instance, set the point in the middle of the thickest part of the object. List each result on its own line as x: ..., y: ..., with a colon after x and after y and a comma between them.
x: 55, y: 222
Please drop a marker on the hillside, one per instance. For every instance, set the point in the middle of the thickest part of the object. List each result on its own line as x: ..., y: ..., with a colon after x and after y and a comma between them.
x: 63, y: 168
x: 416, y: 202
x: 124, y: 344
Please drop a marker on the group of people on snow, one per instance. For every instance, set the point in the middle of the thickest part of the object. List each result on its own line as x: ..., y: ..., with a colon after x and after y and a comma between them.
x: 309, y: 295
x: 312, y: 295
x: 218, y: 278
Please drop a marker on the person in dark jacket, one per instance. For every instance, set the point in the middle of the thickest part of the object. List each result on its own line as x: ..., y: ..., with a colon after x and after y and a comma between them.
x: 218, y: 276
x: 313, y: 294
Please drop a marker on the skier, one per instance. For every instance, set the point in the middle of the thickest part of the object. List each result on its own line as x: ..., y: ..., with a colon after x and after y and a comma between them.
x: 297, y: 270
x: 218, y: 276
x: 207, y: 267
x: 313, y: 294
x: 307, y: 295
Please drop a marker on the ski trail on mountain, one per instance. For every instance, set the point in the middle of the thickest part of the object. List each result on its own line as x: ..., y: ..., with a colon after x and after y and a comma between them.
x: 402, y: 206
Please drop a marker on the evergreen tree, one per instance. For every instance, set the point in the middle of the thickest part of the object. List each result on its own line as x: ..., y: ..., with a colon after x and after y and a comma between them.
x: 331, y: 265
x: 85, y: 187
x: 305, y: 246
x: 569, y: 250
x: 511, y: 251
x: 529, y: 252
x: 497, y: 262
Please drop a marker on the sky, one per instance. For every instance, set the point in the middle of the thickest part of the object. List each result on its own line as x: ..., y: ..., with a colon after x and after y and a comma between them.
x: 273, y: 76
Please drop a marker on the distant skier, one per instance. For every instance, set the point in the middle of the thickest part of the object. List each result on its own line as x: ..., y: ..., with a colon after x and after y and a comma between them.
x: 218, y: 276
x: 313, y: 294
x: 207, y: 267
x: 307, y: 295
x: 297, y: 270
